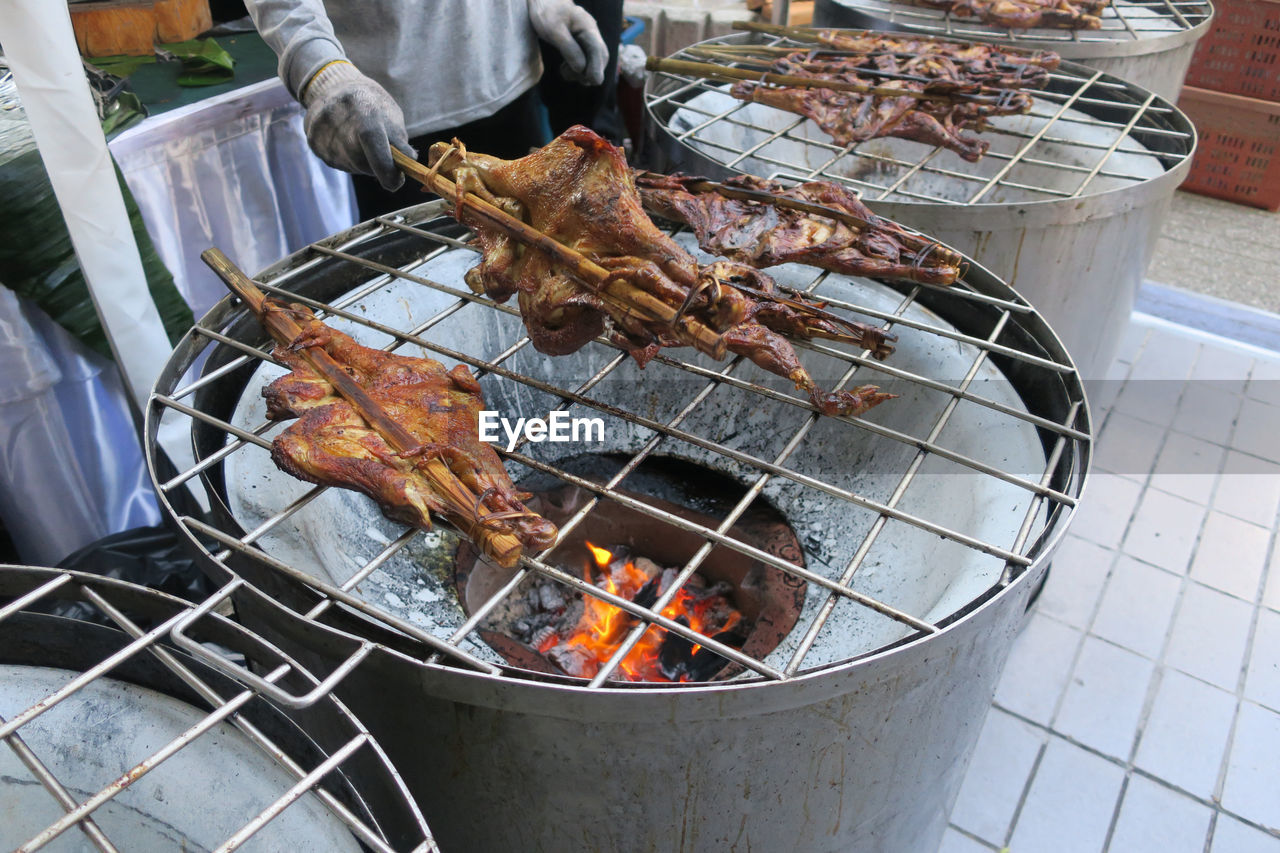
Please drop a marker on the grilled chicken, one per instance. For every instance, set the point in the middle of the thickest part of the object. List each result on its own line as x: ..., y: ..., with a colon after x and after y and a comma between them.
x: 758, y: 228
x: 333, y: 445
x: 850, y: 117
x: 578, y: 191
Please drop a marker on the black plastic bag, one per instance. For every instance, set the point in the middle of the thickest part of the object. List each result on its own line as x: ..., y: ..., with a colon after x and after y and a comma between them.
x: 153, y: 557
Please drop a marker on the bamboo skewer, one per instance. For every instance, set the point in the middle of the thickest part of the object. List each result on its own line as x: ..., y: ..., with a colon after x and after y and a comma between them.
x: 465, y: 513
x: 726, y: 74
x: 619, y: 294
x: 763, y: 56
x: 1035, y: 57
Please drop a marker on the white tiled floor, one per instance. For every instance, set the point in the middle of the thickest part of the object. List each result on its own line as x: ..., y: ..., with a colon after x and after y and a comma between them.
x: 1140, y: 707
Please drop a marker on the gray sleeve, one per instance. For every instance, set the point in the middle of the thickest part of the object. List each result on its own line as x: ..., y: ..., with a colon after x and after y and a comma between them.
x: 301, y: 35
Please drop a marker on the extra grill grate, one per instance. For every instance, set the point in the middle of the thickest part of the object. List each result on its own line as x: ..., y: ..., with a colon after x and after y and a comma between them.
x: 1087, y: 133
x: 392, y: 251
x: 294, y: 784
x: 1123, y: 21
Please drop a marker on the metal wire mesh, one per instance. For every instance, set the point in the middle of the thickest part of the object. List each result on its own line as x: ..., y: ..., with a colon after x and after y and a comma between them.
x: 1066, y: 147
x: 1008, y: 335
x: 129, y: 639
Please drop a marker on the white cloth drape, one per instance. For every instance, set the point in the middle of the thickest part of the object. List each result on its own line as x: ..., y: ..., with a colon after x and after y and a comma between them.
x: 233, y: 172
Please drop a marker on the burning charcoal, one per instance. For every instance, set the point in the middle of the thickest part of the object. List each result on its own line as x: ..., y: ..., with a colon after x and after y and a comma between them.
x: 574, y: 660
x: 550, y: 598
x: 705, y: 663
x: 649, y: 567
x: 523, y: 628
x: 648, y: 594
x: 676, y: 654
x: 541, y: 636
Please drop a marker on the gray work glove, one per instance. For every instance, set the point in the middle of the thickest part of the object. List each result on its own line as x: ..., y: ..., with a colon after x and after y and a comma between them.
x: 571, y: 30
x: 352, y: 123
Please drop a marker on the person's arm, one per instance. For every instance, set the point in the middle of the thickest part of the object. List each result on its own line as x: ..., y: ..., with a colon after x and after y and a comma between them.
x: 351, y: 121
x: 301, y: 35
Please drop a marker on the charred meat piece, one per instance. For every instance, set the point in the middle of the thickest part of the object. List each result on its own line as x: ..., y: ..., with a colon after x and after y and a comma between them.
x: 759, y: 228
x: 927, y: 112
x: 1025, y: 14
x: 578, y: 191
x: 334, y: 445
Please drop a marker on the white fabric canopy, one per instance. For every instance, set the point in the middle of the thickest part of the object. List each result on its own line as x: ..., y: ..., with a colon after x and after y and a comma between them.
x: 233, y: 172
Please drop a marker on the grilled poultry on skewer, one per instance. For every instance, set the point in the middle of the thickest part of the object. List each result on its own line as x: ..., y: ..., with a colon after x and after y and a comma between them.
x: 820, y: 223
x: 579, y: 192
x: 970, y: 62
x: 399, y: 429
x: 850, y: 117
x: 1025, y: 14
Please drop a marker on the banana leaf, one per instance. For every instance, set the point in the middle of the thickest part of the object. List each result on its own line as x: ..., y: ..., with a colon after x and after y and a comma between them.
x: 204, y: 62
x: 36, y: 257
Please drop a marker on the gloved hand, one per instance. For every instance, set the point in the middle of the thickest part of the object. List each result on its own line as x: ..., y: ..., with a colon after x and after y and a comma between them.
x: 352, y: 122
x: 571, y: 30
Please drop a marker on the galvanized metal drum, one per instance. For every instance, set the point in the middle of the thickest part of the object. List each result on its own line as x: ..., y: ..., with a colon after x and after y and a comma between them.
x: 1146, y: 42
x: 118, y: 739
x: 903, y: 545
x: 1065, y: 206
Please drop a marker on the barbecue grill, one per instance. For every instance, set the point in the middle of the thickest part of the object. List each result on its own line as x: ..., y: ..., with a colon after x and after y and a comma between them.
x: 120, y: 739
x: 918, y: 531
x: 1146, y: 42
x: 1066, y: 205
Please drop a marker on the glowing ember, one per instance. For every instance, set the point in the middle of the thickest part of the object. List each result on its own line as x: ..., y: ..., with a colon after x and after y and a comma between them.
x: 659, y: 655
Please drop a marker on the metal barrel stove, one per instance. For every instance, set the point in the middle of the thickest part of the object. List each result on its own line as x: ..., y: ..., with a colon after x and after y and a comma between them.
x: 1066, y: 205
x: 916, y: 534
x: 120, y: 739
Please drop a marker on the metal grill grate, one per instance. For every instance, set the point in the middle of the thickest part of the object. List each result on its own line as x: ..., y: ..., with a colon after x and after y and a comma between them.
x: 1087, y: 133
x: 288, y: 784
x: 1123, y: 21
x: 392, y: 251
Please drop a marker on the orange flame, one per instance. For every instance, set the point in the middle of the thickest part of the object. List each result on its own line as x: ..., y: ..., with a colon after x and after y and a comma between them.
x: 603, y: 627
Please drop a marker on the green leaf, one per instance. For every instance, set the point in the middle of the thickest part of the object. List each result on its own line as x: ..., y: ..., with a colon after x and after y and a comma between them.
x: 204, y: 62
x: 38, y: 262
x: 122, y: 66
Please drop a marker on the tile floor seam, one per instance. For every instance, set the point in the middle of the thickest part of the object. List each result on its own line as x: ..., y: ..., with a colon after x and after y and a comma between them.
x: 1224, y: 768
x: 977, y: 839
x: 1115, y: 813
x: 1057, y: 707
x: 1213, y: 828
x: 1026, y: 788
x: 1129, y: 769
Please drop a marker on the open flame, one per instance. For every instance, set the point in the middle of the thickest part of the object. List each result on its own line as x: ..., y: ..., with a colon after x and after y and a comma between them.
x: 659, y: 655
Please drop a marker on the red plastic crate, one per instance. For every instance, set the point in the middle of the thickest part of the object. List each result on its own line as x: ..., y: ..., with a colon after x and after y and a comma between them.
x: 1238, y: 158
x: 1241, y: 52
